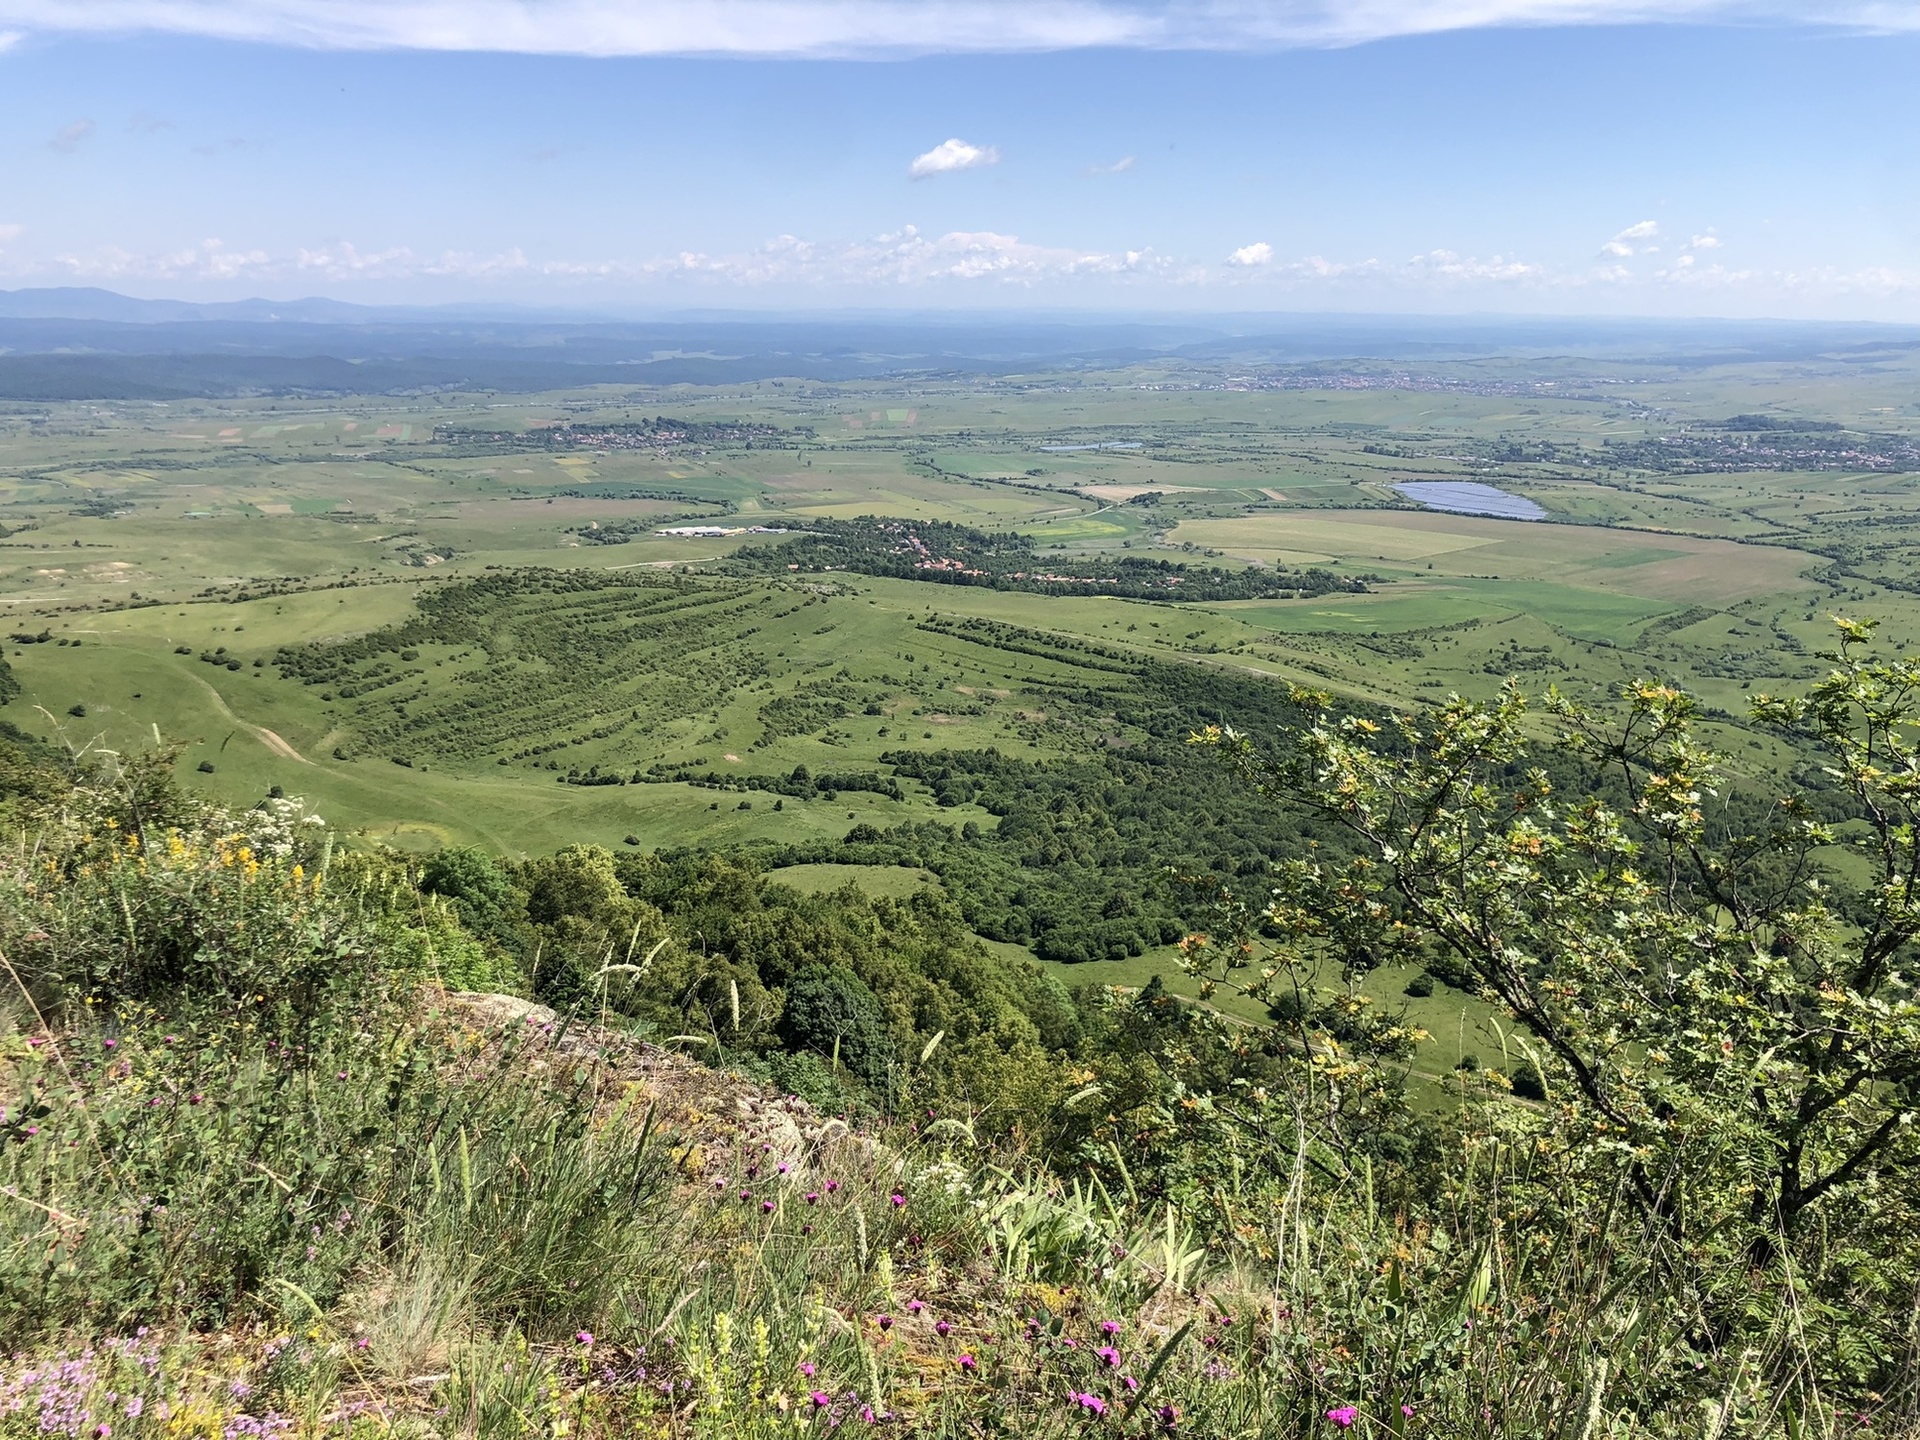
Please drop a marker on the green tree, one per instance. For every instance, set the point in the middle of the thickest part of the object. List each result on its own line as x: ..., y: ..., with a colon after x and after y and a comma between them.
x: 1709, y: 1007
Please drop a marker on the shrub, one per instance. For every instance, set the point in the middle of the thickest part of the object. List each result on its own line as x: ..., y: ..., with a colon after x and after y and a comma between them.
x: 831, y: 1012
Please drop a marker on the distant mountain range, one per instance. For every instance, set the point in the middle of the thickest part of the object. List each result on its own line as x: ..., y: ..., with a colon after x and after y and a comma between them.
x: 77, y: 343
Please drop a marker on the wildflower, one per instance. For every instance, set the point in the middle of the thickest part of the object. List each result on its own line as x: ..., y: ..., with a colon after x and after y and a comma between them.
x: 1131, y: 1383
x: 969, y: 1364
x: 1109, y: 1356
x: 1407, y: 1410
x: 896, y: 1200
x: 914, y: 1307
x: 832, y: 1185
x: 341, y: 1076
x: 1344, y: 1416
x: 807, y: 1368
x: 1091, y: 1403
x: 813, y: 1197
x: 820, y: 1399
x: 766, y: 1207
x: 806, y: 1229
x: 583, y: 1337
x: 942, y: 1329
x: 885, y: 1322
x: 136, y: 1406
x: 1109, y: 1327
x: 108, y: 1045
x: 866, y: 1414
x: 746, y: 1195
x: 1168, y: 1416
x: 782, y: 1167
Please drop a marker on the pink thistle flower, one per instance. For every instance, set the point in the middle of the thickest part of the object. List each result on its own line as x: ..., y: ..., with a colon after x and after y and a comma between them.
x: 896, y: 1199
x: 832, y: 1185
x: 766, y: 1207
x: 807, y: 1368
x: 1131, y: 1383
x: 914, y: 1307
x: 1109, y: 1327
x: 813, y: 1197
x: 969, y: 1364
x: 885, y: 1322
x: 1344, y: 1416
x: 1109, y: 1356
x: 1091, y: 1403
x: 583, y: 1337
x: 820, y: 1399
x: 942, y: 1329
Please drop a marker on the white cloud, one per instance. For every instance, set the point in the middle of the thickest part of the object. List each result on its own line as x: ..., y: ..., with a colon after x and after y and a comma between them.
x: 951, y: 155
x: 1622, y: 245
x: 70, y: 138
x: 889, y: 27
x: 1708, y: 241
x: 9, y: 39
x: 1118, y: 167
x: 1258, y: 253
x: 11, y: 232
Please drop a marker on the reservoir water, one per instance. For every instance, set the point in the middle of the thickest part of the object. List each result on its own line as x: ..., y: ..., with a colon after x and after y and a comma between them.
x: 1468, y: 497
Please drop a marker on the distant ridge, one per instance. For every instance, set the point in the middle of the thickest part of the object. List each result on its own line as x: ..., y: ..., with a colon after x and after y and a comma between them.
x: 86, y: 343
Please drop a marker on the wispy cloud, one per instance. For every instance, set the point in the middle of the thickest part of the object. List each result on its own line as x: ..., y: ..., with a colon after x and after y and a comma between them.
x: 9, y: 39
x: 1708, y: 241
x: 1118, y: 167
x: 881, y: 27
x: 912, y: 267
x: 70, y: 138
x: 11, y: 232
x: 950, y: 155
x: 1631, y: 240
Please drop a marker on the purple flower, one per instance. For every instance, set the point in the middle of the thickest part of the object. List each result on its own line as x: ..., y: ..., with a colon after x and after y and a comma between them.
x: 766, y: 1207
x: 807, y: 1368
x: 942, y: 1329
x: 969, y: 1364
x: 914, y: 1307
x: 108, y: 1045
x: 1344, y: 1416
x: 1109, y: 1356
x: 1091, y: 1403
x: 813, y: 1197
x: 832, y: 1185
x: 820, y: 1399
x: 583, y: 1337
x: 1109, y: 1327
x: 1168, y: 1416
x: 896, y: 1199
x: 885, y: 1322
x: 1131, y: 1383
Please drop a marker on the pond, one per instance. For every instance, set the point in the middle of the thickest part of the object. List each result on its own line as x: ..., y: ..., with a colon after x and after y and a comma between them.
x: 1468, y: 497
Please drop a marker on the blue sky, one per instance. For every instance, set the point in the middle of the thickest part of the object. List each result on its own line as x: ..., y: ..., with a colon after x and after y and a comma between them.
x: 1721, y: 163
